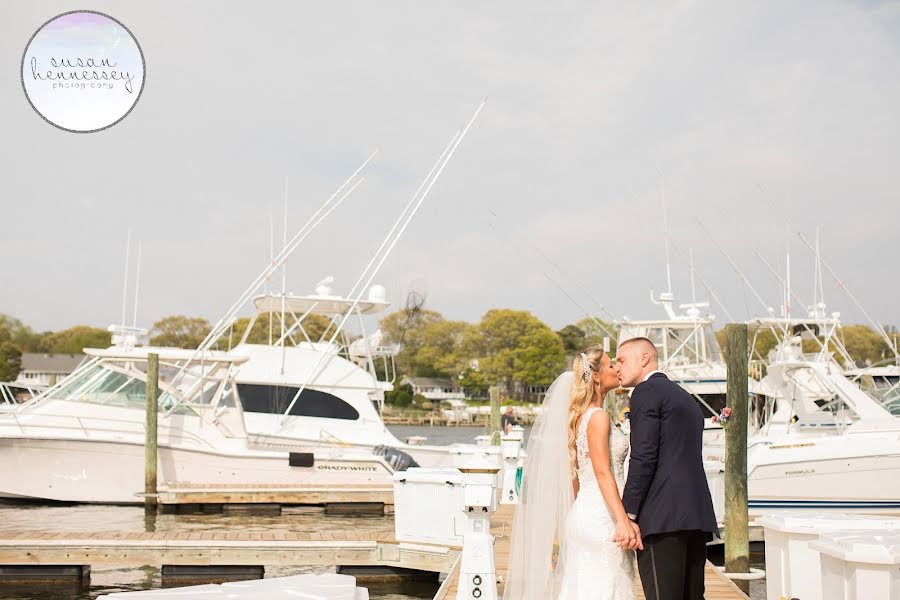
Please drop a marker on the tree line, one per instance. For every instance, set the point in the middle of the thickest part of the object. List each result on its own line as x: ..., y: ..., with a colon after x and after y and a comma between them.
x: 509, y: 348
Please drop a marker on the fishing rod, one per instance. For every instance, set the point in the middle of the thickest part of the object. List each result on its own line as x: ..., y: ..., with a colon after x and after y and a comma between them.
x: 222, y: 325
x: 564, y: 291
x: 733, y: 264
x: 388, y: 245
x: 410, y: 203
x: 707, y: 287
x: 840, y: 283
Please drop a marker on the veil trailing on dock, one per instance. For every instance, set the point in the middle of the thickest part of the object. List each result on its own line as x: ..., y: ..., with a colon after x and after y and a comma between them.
x: 544, y: 503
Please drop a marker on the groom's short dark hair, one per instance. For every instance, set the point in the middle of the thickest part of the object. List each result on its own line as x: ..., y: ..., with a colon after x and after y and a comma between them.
x: 645, y: 342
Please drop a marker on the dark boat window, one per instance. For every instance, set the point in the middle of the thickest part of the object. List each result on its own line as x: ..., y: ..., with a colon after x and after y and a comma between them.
x: 274, y: 399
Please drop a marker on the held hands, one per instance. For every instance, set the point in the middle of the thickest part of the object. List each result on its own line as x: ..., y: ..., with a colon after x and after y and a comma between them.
x: 628, y: 535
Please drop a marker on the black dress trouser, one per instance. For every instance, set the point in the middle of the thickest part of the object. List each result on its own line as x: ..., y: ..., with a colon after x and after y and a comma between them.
x: 672, y: 565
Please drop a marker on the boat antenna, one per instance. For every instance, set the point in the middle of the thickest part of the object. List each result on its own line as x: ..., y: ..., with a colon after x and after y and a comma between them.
x: 283, y: 275
x: 693, y: 287
x: 409, y: 205
x: 271, y: 260
x: 777, y: 275
x: 386, y: 248
x: 335, y: 200
x: 707, y: 287
x: 137, y: 284
x: 125, y: 281
x: 733, y: 264
x: 340, y: 194
x: 819, y: 291
x: 842, y: 285
x: 787, y: 284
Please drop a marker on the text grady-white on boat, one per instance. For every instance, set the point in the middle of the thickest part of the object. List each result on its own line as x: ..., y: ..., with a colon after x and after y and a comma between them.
x: 297, y: 412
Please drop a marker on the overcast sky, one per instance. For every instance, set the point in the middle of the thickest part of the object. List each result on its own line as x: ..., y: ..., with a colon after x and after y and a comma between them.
x: 759, y: 119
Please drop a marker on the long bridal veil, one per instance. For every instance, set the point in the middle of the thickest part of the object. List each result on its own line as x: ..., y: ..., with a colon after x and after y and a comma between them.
x: 544, y: 503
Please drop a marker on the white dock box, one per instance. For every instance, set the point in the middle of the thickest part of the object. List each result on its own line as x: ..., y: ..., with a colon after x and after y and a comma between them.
x: 792, y: 567
x: 860, y: 565
x: 428, y: 506
x: 462, y: 454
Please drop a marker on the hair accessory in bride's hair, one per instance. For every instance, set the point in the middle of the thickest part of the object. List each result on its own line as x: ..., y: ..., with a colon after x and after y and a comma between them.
x: 585, y: 368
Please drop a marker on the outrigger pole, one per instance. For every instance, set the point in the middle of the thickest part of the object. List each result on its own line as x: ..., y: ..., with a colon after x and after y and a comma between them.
x: 222, y: 325
x: 298, y: 321
x: 561, y: 287
x: 327, y: 207
x: 386, y: 247
x: 853, y: 299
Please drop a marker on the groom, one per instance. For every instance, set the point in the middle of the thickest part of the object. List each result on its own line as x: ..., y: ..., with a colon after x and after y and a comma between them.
x: 666, y: 494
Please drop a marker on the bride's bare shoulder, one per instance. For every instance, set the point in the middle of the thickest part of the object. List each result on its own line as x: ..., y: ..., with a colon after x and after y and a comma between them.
x: 598, y: 420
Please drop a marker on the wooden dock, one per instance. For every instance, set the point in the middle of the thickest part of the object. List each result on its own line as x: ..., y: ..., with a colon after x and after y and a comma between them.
x: 222, y: 548
x: 181, y: 493
x: 718, y: 587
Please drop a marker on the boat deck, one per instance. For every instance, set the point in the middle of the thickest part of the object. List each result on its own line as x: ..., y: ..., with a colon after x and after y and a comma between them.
x: 718, y: 587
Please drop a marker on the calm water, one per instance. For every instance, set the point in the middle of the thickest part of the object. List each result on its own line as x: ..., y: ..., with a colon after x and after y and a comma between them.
x: 14, y: 516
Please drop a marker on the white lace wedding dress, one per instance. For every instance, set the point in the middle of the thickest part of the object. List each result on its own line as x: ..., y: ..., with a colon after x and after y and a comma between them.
x: 595, y: 567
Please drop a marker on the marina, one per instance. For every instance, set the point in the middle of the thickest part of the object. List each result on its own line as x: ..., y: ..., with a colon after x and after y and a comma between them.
x: 352, y: 303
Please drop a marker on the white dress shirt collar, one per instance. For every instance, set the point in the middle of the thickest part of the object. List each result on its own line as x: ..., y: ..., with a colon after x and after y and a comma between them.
x: 650, y: 374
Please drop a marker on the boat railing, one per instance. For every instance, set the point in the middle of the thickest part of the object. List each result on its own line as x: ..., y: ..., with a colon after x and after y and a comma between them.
x: 139, y: 426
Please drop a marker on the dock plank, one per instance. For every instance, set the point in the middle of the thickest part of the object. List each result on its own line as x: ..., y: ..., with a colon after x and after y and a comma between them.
x: 284, y: 548
x: 718, y: 587
x: 187, y: 492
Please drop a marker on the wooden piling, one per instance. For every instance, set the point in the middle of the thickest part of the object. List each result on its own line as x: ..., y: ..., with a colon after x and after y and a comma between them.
x: 495, y: 415
x: 737, y: 544
x: 150, y: 447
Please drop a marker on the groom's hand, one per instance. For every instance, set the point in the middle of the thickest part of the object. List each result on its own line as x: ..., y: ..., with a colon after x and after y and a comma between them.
x: 637, y: 543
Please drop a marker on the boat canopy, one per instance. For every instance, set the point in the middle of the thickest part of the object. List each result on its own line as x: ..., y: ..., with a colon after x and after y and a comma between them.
x: 322, y: 305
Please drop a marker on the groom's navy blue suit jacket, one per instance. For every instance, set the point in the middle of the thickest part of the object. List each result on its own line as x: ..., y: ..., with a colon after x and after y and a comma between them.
x: 666, y: 486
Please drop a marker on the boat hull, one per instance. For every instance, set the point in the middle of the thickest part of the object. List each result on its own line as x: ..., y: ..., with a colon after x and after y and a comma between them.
x: 844, y: 484
x: 79, y: 470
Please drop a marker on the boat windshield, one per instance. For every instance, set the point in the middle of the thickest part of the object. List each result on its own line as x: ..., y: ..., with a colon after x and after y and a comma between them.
x: 678, y: 345
x: 124, y: 384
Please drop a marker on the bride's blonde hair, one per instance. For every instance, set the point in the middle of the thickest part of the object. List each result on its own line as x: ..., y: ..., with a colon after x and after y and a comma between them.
x: 586, y: 363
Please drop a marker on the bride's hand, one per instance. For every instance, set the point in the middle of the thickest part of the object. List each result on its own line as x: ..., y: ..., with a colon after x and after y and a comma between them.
x: 625, y: 535
x: 638, y: 541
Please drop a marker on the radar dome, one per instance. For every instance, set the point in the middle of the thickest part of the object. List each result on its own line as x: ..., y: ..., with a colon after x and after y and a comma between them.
x: 377, y: 293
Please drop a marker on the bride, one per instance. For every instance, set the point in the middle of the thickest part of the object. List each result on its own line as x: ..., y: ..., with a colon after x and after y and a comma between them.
x: 574, y: 450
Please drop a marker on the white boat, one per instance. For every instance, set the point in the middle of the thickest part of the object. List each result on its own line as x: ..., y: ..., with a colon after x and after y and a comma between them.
x: 321, y: 396
x: 83, y: 440
x: 883, y: 382
x: 311, y: 415
x: 826, y: 444
x: 689, y: 354
x: 254, y: 414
